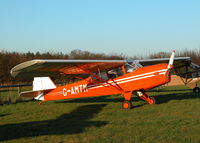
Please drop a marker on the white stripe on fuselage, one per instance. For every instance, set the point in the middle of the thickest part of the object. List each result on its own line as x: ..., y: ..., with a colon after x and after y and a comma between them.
x: 138, y: 75
x: 132, y: 78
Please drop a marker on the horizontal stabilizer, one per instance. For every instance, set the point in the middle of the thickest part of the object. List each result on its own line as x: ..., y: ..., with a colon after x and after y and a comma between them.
x: 41, y: 85
x: 31, y: 93
x: 38, y: 95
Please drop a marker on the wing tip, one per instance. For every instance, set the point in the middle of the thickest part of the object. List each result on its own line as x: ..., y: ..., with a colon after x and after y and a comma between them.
x: 15, y: 71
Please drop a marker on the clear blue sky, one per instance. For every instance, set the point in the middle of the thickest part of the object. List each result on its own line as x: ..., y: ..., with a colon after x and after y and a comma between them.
x: 131, y: 27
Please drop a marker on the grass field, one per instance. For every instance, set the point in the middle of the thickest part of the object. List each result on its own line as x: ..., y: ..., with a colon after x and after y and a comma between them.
x: 175, y: 119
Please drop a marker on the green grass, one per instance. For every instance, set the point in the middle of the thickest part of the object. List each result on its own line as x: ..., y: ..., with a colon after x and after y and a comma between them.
x: 175, y: 119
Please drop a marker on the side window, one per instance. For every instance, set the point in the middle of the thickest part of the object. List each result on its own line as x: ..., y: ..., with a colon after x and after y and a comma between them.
x: 93, y: 77
x: 119, y: 71
x: 115, y: 73
x: 102, y: 75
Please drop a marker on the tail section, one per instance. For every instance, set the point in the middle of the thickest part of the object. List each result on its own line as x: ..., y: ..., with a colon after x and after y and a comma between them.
x: 43, y: 83
x: 40, y: 86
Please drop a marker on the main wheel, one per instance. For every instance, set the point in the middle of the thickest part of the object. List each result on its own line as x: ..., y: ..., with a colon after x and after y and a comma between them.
x: 127, y: 104
x: 196, y: 90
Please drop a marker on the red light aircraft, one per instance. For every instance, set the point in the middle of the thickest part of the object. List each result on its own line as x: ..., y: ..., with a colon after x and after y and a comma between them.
x: 106, y: 77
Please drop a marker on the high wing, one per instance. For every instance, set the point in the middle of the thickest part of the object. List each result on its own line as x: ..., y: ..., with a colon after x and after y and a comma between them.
x: 51, y: 68
x: 183, y: 66
x: 178, y: 61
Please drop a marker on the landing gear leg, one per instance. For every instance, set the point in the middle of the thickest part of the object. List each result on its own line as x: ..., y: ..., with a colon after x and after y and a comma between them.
x: 127, y: 104
x: 144, y: 96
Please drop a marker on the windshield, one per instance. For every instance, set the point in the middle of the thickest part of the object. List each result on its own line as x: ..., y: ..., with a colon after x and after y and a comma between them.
x: 132, y: 66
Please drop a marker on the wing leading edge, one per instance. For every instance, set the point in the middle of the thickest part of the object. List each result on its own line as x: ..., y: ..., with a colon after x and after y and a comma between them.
x: 178, y: 61
x: 183, y: 66
x: 52, y: 68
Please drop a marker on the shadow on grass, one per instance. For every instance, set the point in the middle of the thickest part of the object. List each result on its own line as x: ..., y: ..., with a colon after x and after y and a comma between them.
x: 175, y: 96
x: 70, y: 123
x: 160, y: 98
x: 169, y: 90
x: 98, y: 99
x: 2, y: 115
x: 137, y: 106
x: 163, y: 98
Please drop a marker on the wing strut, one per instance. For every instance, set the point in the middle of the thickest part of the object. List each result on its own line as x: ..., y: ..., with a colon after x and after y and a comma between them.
x: 186, y: 81
x: 92, y: 74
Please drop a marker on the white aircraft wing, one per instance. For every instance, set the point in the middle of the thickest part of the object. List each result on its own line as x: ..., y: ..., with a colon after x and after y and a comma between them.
x: 50, y: 68
x: 183, y: 66
x: 178, y: 61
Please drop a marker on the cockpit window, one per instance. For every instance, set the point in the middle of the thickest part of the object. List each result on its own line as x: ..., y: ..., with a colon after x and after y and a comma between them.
x: 102, y: 75
x: 115, y: 72
x: 131, y: 67
x: 94, y: 77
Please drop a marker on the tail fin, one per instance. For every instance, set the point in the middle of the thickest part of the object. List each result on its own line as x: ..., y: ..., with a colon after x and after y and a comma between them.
x: 40, y: 84
x: 43, y: 83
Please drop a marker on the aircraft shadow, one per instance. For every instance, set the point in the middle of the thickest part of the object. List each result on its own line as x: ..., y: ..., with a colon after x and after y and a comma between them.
x: 177, y: 96
x: 70, y: 123
x: 97, y: 99
x: 2, y: 115
x: 171, y: 90
x: 163, y: 98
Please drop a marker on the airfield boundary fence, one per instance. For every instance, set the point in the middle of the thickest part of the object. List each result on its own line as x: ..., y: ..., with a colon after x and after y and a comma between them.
x: 19, y: 86
x: 9, y: 94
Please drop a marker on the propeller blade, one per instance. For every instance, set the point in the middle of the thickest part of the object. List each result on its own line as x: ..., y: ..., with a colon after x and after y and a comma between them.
x: 171, y: 60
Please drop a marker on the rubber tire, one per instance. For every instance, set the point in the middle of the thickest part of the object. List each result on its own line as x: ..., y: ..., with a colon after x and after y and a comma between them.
x: 196, y: 90
x: 127, y: 104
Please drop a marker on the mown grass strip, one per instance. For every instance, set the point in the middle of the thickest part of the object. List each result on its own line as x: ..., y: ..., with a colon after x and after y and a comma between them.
x: 176, y: 118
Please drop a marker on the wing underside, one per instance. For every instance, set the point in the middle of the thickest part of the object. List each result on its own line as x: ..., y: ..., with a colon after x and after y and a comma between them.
x: 178, y: 61
x: 183, y: 66
x: 56, y: 67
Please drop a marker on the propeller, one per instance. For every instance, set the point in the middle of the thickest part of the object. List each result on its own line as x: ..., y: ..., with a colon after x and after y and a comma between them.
x: 171, y: 60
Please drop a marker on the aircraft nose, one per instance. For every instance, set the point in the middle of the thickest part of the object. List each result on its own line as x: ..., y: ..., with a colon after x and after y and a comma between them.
x: 168, y: 75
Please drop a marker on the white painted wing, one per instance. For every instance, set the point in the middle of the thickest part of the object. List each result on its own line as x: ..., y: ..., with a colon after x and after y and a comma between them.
x: 178, y: 61
x: 50, y: 68
x: 183, y: 66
